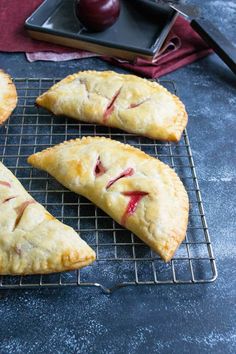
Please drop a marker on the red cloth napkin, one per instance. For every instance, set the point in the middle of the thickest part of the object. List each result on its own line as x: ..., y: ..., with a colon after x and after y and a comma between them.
x: 190, y: 49
x: 14, y: 38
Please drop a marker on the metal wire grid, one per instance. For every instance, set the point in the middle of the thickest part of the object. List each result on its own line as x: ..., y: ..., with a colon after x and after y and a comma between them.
x: 122, y: 259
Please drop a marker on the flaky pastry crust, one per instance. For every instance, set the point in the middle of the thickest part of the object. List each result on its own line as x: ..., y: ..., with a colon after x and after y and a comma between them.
x: 8, y: 96
x: 32, y: 241
x: 126, y: 102
x: 136, y: 190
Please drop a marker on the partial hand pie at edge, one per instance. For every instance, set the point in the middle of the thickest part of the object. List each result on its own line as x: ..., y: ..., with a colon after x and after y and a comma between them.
x: 8, y: 96
x: 32, y: 241
x: 121, y: 101
x: 136, y: 190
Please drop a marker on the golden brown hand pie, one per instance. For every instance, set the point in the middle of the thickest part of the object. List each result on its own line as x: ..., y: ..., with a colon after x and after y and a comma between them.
x: 8, y: 96
x: 126, y: 102
x: 136, y: 190
x: 31, y: 240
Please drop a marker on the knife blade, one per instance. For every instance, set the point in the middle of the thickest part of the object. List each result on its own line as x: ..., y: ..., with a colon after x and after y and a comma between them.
x: 186, y: 10
x: 206, y: 29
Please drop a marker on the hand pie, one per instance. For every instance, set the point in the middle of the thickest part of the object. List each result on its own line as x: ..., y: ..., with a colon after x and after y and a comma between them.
x: 8, y: 96
x: 136, y: 190
x: 31, y: 240
x: 126, y: 102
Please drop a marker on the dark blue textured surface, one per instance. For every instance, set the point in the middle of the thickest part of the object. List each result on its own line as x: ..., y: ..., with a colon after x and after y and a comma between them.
x: 166, y: 319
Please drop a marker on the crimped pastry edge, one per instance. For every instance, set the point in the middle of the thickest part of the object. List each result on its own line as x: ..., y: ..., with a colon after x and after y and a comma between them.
x: 73, y: 266
x: 180, y: 236
x: 181, y: 119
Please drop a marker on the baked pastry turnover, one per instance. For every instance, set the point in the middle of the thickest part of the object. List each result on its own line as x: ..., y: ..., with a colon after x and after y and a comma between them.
x: 136, y: 190
x: 126, y: 102
x: 8, y: 96
x: 31, y: 240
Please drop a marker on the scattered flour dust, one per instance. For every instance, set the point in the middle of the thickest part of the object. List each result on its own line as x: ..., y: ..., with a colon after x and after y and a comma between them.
x: 221, y: 179
x: 226, y: 176
x: 213, y: 339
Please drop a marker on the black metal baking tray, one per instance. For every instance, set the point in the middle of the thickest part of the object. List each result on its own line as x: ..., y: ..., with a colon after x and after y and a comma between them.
x: 136, y: 32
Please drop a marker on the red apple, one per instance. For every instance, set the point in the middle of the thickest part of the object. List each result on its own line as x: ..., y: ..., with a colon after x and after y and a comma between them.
x: 97, y: 15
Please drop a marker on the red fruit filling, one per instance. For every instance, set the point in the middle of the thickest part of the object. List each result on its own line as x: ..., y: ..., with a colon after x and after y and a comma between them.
x: 99, y: 169
x: 20, y: 210
x: 128, y: 172
x: 135, y: 198
x: 6, y: 184
x: 110, y: 107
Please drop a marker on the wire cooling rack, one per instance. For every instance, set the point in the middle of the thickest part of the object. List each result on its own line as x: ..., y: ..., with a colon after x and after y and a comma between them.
x: 122, y: 259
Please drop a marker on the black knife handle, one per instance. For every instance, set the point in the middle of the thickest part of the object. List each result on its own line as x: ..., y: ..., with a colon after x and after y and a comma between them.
x: 153, y: 8
x: 217, y: 41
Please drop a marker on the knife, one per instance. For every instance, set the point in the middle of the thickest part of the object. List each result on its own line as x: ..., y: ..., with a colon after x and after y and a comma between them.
x: 206, y: 30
